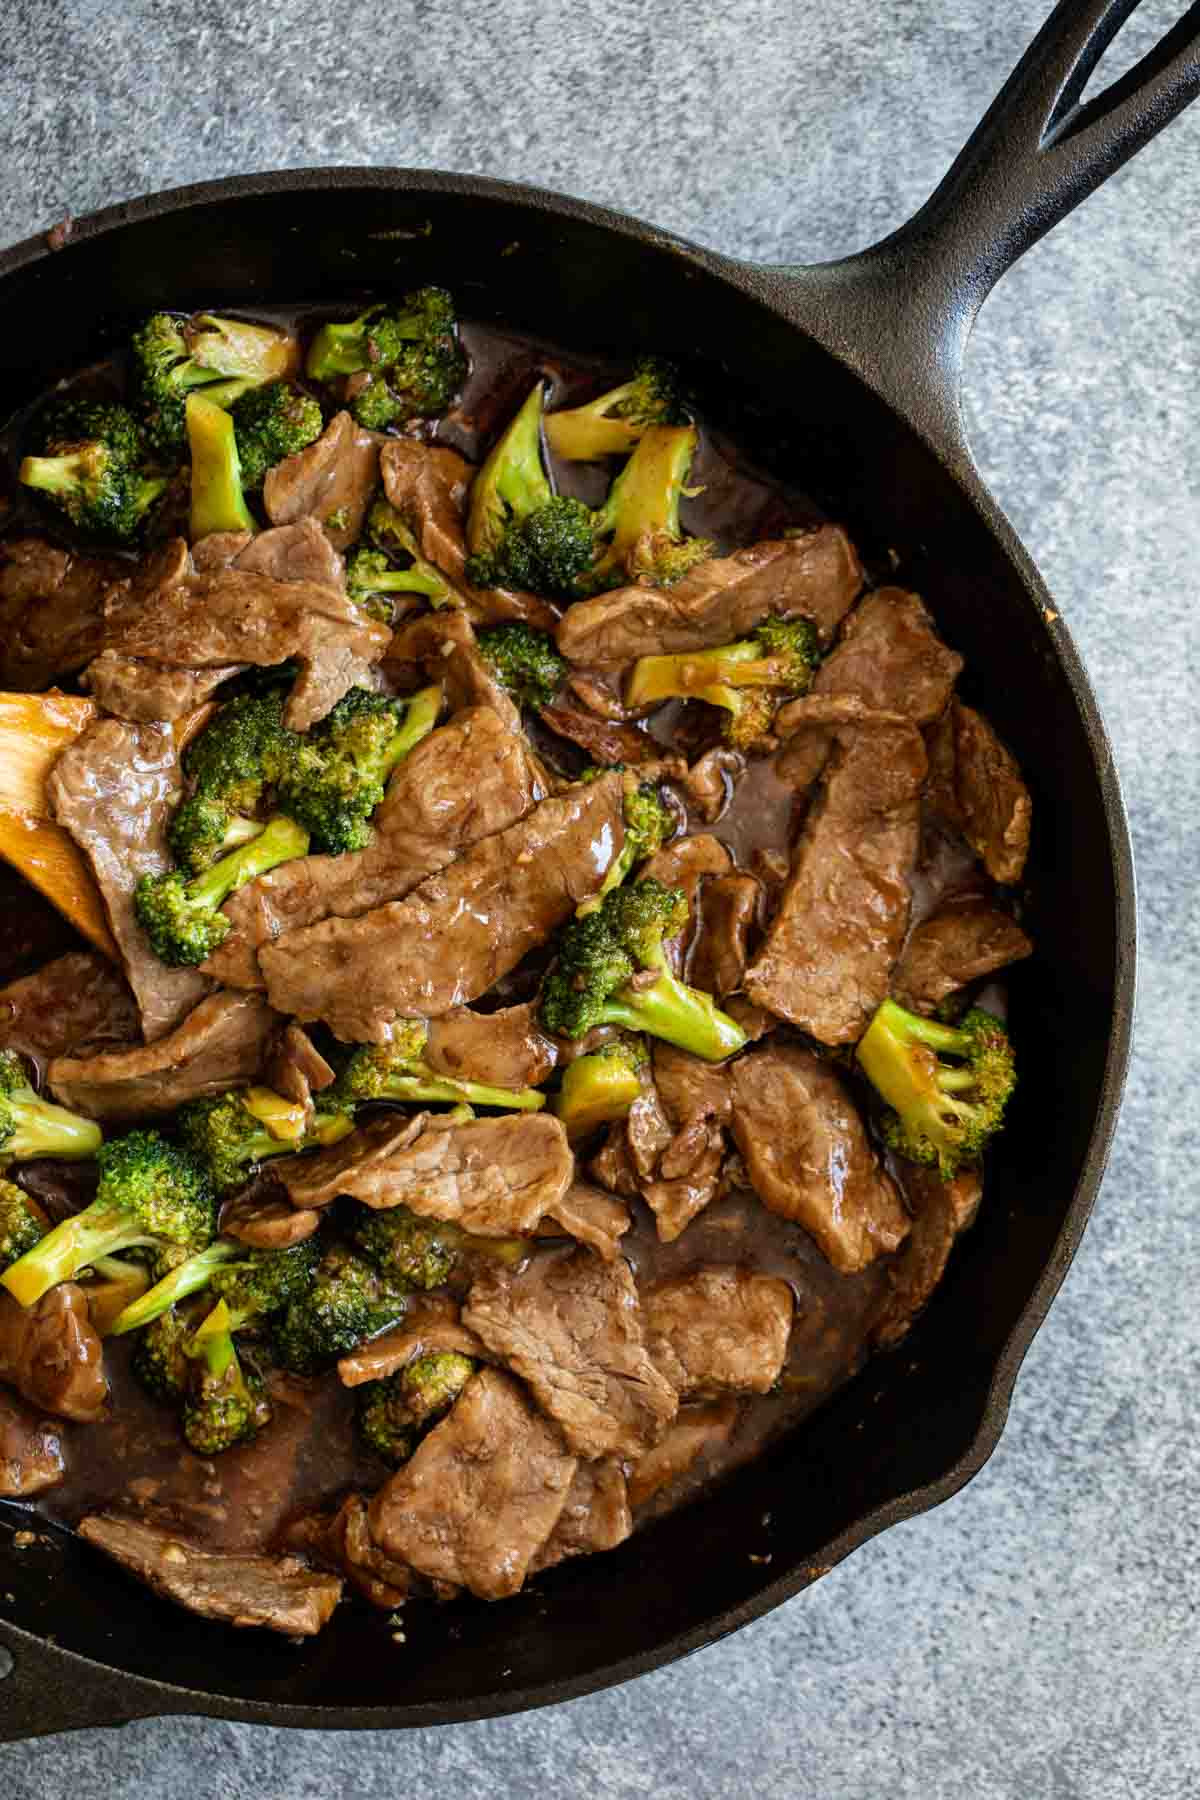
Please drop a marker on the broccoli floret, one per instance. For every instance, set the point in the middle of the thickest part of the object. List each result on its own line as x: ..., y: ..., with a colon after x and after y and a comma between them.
x: 371, y: 580
x: 187, y: 1275
x: 182, y: 918
x: 228, y: 765
x: 649, y: 822
x: 601, y: 1087
x: 389, y: 531
x: 218, y: 503
x: 348, y: 1302
x: 946, y: 1086
x: 524, y: 661
x: 614, y: 422
x: 750, y: 680
x: 223, y: 357
x: 225, y: 1404
x: 393, y: 1413
x: 336, y: 775
x: 397, y: 1071
x: 230, y: 1135
x: 270, y: 423
x: 160, y: 1359
x: 93, y: 467
x: 22, y: 1222
x: 600, y: 954
x: 151, y: 1191
x: 428, y: 1253
x: 32, y: 1126
x: 384, y: 1421
x: 640, y: 518
x: 519, y: 532
x: 410, y: 355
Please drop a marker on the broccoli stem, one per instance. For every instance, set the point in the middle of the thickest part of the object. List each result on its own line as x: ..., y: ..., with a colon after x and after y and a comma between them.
x: 705, y: 675
x: 596, y: 1090
x: 43, y: 1129
x: 102, y: 1229
x: 57, y: 475
x: 340, y: 349
x: 419, y: 721
x: 279, y: 841
x: 218, y: 503
x: 188, y: 1278
x: 511, y: 481
x: 414, y: 1087
x: 213, y: 1342
x: 680, y: 1015
x: 644, y: 499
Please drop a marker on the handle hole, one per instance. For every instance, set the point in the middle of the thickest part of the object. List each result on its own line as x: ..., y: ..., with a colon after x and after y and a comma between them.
x: 1122, y: 48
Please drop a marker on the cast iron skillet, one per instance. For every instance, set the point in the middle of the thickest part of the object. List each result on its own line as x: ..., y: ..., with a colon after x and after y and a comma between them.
x: 851, y: 372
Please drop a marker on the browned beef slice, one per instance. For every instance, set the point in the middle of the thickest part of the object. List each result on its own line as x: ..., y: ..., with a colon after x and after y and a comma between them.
x: 957, y: 945
x: 942, y: 1211
x: 495, y: 1176
x: 77, y: 1000
x: 807, y: 1153
x: 690, y: 1088
x: 816, y: 575
x: 428, y: 484
x: 828, y: 956
x: 710, y: 781
x: 295, y: 1067
x: 570, y: 1326
x: 728, y: 912
x: 463, y: 782
x: 51, y: 1354
x: 331, y: 481
x: 277, y: 1592
x: 114, y: 790
x: 696, y: 1432
x: 688, y: 1179
x: 500, y: 1049
x: 341, y: 1541
x: 431, y: 1325
x: 181, y: 620
x: 148, y: 692
x: 221, y: 1044
x: 596, y: 1515
x: 264, y: 1218
x: 981, y: 790
x: 719, y: 1329
x: 648, y: 1130
x: 481, y: 1494
x: 687, y: 863
x: 605, y: 740
x: 442, y: 646
x: 612, y: 1165
x: 460, y: 931
x: 591, y: 1216
x: 31, y: 1452
x: 299, y: 552
x: 51, y: 609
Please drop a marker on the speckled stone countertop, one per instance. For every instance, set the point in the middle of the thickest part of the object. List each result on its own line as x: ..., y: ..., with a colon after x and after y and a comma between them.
x: 1036, y: 1638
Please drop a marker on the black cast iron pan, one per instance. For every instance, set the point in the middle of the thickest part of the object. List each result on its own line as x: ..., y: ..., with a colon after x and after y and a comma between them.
x: 850, y: 373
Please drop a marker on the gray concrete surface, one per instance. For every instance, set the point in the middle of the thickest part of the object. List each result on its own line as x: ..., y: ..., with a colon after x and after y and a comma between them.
x: 1037, y: 1638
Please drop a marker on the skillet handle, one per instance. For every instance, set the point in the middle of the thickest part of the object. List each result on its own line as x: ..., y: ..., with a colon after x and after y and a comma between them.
x: 902, y: 311
x: 45, y: 1690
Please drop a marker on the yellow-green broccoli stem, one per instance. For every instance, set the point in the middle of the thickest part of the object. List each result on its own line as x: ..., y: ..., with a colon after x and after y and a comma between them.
x: 218, y: 503
x: 511, y: 481
x: 223, y: 1407
x: 189, y: 1277
x: 112, y: 1286
x: 941, y: 1112
x: 79, y: 1242
x: 33, y: 1126
x: 613, y: 423
x: 640, y: 518
x: 183, y: 920
x: 598, y: 1089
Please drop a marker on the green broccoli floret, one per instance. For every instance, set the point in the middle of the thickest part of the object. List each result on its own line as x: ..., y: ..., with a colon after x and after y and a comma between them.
x: 337, y: 773
x: 271, y: 423
x: 750, y: 680
x: 946, y: 1086
x: 229, y: 765
x: 640, y: 518
x: 218, y: 503
x: 230, y: 1135
x: 614, y: 422
x: 393, y: 1413
x: 93, y: 467
x: 390, y: 532
x: 384, y: 1421
x: 223, y: 357
x: 224, y: 1404
x: 397, y: 1071
x: 371, y: 580
x: 22, y: 1222
x: 183, y: 919
x: 428, y: 1253
x: 32, y: 1126
x: 151, y: 1191
x: 524, y: 661
x: 519, y: 532
x: 160, y: 1359
x: 348, y: 1302
x: 409, y: 354
x: 649, y: 822
x: 599, y: 955
x: 601, y: 1087
x: 186, y: 1275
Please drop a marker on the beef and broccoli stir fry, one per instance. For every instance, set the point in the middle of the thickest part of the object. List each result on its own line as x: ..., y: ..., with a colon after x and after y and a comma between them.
x: 532, y: 1029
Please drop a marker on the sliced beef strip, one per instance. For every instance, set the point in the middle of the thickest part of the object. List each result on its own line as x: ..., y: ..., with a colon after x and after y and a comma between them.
x: 235, y: 616
x: 277, y: 1592
x: 221, y: 1044
x: 675, y: 1198
x: 957, y: 945
x: 710, y: 782
x: 264, y: 1218
x: 612, y: 1166
x: 605, y: 740
x: 494, y: 1176
x: 463, y: 782
x: 728, y: 914
x: 592, y: 1217
x: 146, y: 692
x: 51, y: 1354
x: 70, y: 1004
x: 691, y: 1088
x: 341, y: 1542
x: 570, y: 1326
x: 815, y: 574
x: 295, y: 1067
x: 718, y: 1330
x: 431, y: 1325
x: 687, y: 863
x: 52, y: 606
x: 648, y: 1130
x: 480, y: 1495
x: 595, y: 1517
x: 113, y: 790
x: 460, y: 931
x: 697, y: 1431
x: 978, y: 786
x: 942, y: 1211
x: 828, y: 957
x: 442, y: 646
x: 31, y: 1452
x: 808, y: 1156
x: 331, y: 482
x: 500, y: 1049
x: 299, y: 552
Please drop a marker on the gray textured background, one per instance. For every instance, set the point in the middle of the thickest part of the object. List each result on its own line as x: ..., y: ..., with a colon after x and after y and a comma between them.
x: 1036, y: 1638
